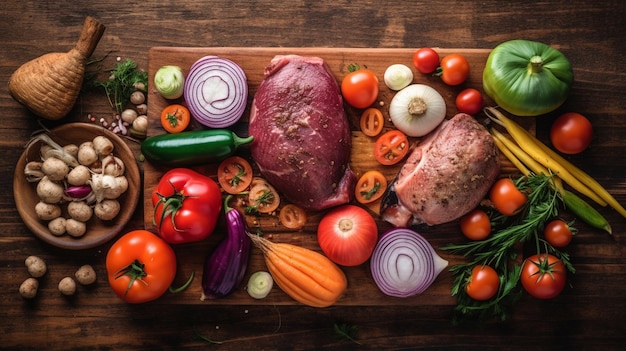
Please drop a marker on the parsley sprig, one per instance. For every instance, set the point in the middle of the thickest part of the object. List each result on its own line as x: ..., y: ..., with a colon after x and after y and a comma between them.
x: 499, y: 250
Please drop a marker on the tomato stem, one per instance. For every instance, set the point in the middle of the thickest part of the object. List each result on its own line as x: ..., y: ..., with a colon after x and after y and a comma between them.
x: 135, y: 271
x: 170, y: 206
x: 535, y: 65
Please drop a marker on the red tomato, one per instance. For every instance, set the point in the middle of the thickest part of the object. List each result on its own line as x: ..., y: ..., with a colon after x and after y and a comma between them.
x: 571, y: 133
x: 483, y: 284
x: 140, y: 266
x: 292, y: 216
x: 372, y: 122
x: 454, y: 69
x: 234, y: 174
x: 370, y: 187
x: 391, y: 147
x: 360, y: 88
x: 187, y: 205
x: 469, y: 101
x: 558, y: 233
x: 175, y: 118
x: 506, y: 197
x: 347, y: 235
x: 543, y: 276
x: 426, y: 60
x: 476, y: 225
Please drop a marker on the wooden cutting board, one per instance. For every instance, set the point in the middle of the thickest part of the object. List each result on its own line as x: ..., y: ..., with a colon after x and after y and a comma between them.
x: 361, y: 289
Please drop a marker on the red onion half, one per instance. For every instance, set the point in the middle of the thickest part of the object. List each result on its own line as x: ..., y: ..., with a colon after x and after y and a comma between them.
x: 404, y: 263
x: 216, y: 91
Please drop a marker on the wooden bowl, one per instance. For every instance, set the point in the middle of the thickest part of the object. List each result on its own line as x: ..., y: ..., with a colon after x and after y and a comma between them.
x: 98, y: 231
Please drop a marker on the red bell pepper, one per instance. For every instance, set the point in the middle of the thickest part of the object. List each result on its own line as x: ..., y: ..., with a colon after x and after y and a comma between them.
x: 187, y: 205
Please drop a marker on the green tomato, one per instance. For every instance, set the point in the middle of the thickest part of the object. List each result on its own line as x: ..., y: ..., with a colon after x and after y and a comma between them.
x: 527, y: 78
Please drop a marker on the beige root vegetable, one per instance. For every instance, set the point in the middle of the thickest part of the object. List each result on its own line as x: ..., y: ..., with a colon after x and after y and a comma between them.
x: 50, y: 84
x: 79, y: 210
x: 87, y: 154
x: 36, y: 266
x: 71, y: 149
x: 85, y: 275
x: 28, y: 288
x: 57, y: 226
x: 55, y: 169
x: 75, y: 228
x: 46, y: 211
x: 107, y: 209
x: 102, y: 145
x: 67, y: 286
x: 49, y: 191
x: 79, y: 175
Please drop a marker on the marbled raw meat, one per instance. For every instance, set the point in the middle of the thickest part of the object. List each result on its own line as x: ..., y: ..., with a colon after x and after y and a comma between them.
x: 447, y: 174
x: 302, y: 137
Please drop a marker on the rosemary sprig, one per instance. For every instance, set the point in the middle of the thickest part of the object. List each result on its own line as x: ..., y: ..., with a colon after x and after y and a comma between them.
x: 499, y: 249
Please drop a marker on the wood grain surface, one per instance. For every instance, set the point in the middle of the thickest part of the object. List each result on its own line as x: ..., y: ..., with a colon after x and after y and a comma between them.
x: 588, y: 315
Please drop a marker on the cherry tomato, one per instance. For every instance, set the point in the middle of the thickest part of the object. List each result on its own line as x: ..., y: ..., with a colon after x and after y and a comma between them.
x: 571, y: 133
x: 483, y: 283
x: 263, y: 197
x: 234, y: 174
x: 391, y: 147
x: 426, y: 60
x: 140, y: 266
x: 370, y: 187
x: 347, y: 235
x: 175, y: 118
x: 469, y: 101
x: 476, y: 225
x: 506, y: 197
x: 292, y: 216
x: 558, y: 233
x: 543, y: 276
x: 372, y: 122
x: 360, y: 88
x: 454, y: 69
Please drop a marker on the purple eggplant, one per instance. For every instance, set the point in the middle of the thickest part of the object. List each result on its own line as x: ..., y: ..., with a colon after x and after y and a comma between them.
x: 225, y: 267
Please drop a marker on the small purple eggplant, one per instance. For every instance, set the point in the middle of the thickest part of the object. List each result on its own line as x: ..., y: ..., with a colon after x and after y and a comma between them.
x: 225, y: 267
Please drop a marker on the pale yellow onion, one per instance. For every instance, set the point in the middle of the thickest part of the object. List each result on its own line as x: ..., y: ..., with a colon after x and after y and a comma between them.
x: 417, y: 109
x: 398, y: 76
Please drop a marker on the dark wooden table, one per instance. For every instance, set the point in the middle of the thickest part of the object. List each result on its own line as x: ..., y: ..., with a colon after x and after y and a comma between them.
x: 590, y: 315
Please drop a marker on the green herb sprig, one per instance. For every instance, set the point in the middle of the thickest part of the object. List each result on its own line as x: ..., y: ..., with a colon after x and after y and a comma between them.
x: 123, y: 80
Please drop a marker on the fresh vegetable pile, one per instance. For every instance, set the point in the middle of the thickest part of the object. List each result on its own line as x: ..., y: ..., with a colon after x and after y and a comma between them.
x: 87, y: 179
x: 520, y: 211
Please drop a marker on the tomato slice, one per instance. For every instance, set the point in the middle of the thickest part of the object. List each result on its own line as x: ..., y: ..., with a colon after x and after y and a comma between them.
x: 391, y: 147
x: 292, y: 216
x: 175, y: 118
x: 263, y: 197
x: 372, y: 122
x: 370, y: 187
x: 234, y: 174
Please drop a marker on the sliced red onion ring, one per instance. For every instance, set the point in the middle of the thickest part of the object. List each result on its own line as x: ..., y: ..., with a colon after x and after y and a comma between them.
x: 404, y: 263
x: 216, y: 91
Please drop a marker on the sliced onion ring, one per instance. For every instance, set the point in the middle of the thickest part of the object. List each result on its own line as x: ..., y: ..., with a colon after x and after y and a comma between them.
x: 216, y: 91
x: 404, y: 263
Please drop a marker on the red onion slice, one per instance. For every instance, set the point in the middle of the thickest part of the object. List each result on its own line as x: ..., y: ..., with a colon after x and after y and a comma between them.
x: 216, y: 91
x: 404, y: 263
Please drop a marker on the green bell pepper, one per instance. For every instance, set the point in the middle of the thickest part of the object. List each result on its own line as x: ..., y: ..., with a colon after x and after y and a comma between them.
x: 527, y: 78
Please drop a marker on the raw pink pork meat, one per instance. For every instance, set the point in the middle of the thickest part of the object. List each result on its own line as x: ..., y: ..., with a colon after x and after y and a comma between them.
x: 301, y: 133
x: 447, y: 175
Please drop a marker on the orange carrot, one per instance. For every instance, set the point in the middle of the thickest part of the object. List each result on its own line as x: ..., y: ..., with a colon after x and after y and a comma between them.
x: 305, y: 275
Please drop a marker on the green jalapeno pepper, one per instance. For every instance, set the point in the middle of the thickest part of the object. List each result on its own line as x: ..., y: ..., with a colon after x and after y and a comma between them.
x: 192, y: 148
x: 527, y: 78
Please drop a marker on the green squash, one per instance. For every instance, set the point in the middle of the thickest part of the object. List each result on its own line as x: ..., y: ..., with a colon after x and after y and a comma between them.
x: 527, y: 78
